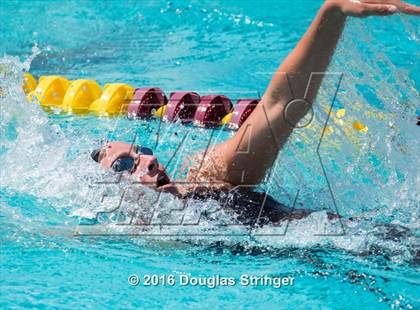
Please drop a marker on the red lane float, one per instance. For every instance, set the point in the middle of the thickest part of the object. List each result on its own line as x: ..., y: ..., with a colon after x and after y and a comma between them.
x: 207, y: 111
x: 144, y: 100
x: 241, y: 111
x: 211, y: 110
x: 182, y: 105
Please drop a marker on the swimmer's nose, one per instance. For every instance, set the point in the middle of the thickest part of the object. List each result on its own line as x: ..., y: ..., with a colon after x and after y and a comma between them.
x: 151, y: 164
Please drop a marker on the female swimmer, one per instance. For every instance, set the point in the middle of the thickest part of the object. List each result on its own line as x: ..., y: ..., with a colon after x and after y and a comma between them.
x: 267, y: 128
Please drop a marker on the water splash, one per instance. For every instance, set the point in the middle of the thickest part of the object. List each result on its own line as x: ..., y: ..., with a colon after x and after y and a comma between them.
x: 47, y: 156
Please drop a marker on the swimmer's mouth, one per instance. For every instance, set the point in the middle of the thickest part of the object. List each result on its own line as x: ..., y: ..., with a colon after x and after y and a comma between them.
x: 162, y: 180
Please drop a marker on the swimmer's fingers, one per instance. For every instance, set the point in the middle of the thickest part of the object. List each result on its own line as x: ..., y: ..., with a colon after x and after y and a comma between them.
x: 401, y: 6
x: 409, y: 8
x: 365, y: 8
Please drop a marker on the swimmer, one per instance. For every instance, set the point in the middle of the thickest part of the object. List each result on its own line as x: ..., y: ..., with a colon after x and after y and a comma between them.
x: 264, y: 132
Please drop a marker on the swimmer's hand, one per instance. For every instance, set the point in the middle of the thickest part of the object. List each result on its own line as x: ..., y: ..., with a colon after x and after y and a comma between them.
x: 365, y: 8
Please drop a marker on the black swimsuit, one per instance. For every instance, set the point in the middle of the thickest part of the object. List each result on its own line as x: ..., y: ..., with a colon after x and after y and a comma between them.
x: 251, y: 207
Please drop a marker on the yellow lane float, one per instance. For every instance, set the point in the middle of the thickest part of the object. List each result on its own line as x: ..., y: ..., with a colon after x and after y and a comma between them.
x: 360, y: 127
x: 29, y: 83
x: 113, y: 101
x: 160, y: 112
x: 80, y: 94
x: 225, y: 120
x: 50, y: 91
x: 340, y: 113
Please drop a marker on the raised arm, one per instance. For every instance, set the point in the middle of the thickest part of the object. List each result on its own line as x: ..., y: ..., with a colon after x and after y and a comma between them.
x: 253, y: 149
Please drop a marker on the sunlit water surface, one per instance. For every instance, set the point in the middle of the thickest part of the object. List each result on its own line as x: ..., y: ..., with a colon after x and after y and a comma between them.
x: 49, y: 184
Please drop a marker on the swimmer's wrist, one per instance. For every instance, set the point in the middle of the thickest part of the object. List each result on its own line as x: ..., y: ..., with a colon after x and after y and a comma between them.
x: 333, y: 8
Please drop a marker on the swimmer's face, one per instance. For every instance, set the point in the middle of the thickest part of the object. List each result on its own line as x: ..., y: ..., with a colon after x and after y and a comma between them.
x: 145, y: 168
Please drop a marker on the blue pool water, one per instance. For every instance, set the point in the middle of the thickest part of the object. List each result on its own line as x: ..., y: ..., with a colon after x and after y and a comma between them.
x: 49, y: 184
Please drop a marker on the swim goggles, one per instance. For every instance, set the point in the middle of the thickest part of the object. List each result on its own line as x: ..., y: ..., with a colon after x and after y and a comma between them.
x: 124, y: 163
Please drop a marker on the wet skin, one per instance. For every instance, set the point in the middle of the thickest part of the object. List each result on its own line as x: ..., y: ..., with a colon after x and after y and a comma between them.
x: 146, y: 168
